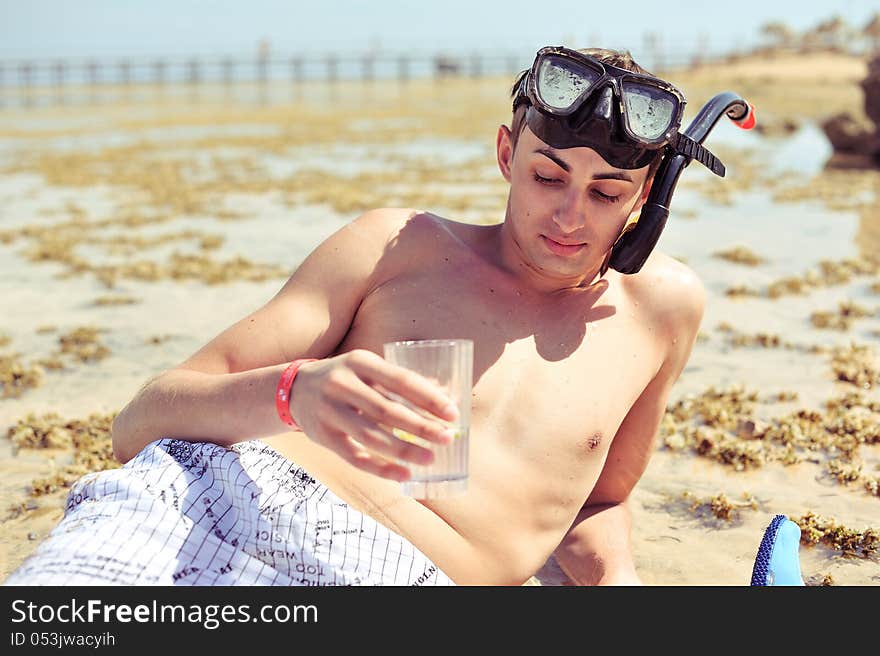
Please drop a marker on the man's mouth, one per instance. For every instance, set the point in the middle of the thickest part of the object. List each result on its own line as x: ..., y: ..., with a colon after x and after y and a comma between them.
x: 558, y: 248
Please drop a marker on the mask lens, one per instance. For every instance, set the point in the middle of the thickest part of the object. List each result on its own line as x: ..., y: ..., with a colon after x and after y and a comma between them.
x: 650, y: 110
x: 560, y: 82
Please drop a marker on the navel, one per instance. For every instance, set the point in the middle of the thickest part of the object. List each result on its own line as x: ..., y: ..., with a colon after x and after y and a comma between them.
x: 594, y: 441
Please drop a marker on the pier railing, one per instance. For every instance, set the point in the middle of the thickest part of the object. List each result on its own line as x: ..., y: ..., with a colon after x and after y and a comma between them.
x: 28, y: 82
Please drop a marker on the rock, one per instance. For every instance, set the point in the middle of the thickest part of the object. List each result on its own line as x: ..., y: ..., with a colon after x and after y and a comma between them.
x: 857, y: 145
x: 871, y: 87
x: 847, y: 135
x: 852, y: 161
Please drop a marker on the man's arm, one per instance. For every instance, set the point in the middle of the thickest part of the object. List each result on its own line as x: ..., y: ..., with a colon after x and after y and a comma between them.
x: 225, y: 392
x: 597, y: 549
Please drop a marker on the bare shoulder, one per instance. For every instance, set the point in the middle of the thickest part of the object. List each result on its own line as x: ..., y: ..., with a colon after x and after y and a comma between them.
x: 381, y: 224
x: 411, y: 235
x: 385, y: 243
x: 670, y: 291
x: 371, y: 241
x: 391, y: 224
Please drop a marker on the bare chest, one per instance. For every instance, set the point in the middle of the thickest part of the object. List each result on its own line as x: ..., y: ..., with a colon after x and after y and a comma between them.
x: 552, y: 379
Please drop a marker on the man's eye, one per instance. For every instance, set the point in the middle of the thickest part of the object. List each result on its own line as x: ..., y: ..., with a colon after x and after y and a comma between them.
x: 606, y: 197
x: 540, y: 178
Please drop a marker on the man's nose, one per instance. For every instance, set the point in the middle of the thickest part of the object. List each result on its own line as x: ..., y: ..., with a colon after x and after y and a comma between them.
x: 570, y: 216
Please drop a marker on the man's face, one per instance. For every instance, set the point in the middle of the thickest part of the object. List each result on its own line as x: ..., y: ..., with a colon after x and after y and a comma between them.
x: 566, y: 206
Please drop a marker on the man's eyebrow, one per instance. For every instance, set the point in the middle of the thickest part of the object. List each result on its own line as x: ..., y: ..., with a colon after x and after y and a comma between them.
x: 612, y: 175
x: 549, y: 152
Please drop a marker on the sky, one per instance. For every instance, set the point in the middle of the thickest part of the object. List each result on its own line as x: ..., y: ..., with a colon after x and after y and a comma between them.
x: 84, y: 28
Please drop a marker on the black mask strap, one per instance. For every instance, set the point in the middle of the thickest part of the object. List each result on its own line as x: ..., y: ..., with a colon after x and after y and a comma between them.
x: 695, y: 150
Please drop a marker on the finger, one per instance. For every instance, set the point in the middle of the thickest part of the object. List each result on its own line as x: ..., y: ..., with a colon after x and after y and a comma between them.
x: 382, y: 410
x: 355, y: 454
x: 410, y: 385
x: 379, y: 440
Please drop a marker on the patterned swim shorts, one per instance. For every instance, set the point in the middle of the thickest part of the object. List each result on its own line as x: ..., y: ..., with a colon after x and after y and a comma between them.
x: 194, y: 513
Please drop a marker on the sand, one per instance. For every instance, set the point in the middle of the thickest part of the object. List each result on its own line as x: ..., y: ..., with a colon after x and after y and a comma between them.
x: 121, y: 216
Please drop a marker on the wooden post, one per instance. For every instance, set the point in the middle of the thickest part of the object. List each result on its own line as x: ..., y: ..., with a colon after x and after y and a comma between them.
x: 296, y: 69
x: 159, y: 67
x: 700, y: 56
x: 402, y: 68
x: 193, y: 73
x: 228, y: 66
x: 125, y: 72
x: 263, y: 73
x: 368, y: 73
x: 25, y: 74
x: 59, y: 71
x: 193, y: 78
x: 660, y: 56
x: 24, y: 83
x: 264, y: 51
x: 92, y: 72
x: 332, y: 68
x: 476, y: 65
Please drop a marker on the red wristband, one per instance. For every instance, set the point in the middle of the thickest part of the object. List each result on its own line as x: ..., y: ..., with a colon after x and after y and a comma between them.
x: 282, y: 392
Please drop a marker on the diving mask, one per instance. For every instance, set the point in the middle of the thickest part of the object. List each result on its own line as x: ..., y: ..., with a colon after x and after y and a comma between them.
x: 626, y: 117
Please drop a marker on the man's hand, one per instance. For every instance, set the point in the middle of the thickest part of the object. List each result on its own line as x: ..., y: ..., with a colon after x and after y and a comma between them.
x: 343, y: 404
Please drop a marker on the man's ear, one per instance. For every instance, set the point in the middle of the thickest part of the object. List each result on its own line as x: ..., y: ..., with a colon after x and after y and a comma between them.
x: 646, y: 191
x: 504, y: 150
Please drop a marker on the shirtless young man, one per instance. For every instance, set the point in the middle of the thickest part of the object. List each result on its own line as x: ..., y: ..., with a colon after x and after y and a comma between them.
x: 573, y: 366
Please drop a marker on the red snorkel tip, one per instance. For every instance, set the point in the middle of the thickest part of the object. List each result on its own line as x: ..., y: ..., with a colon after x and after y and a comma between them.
x: 748, y: 121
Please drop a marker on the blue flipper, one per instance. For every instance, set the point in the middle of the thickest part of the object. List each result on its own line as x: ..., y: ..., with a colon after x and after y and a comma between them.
x: 778, y: 559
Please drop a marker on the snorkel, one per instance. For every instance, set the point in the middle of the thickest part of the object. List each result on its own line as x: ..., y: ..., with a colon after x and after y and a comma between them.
x: 633, y: 247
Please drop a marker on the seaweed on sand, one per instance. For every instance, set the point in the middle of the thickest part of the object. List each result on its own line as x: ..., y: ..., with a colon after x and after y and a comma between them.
x: 88, y: 438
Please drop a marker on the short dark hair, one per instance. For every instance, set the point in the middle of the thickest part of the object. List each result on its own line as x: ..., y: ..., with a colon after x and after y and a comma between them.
x: 620, y: 58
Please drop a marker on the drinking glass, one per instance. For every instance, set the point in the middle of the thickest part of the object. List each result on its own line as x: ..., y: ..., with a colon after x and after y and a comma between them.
x: 449, y: 363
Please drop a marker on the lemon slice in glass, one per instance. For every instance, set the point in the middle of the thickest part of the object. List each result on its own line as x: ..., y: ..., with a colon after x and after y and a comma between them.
x: 414, y: 439
x: 405, y: 436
